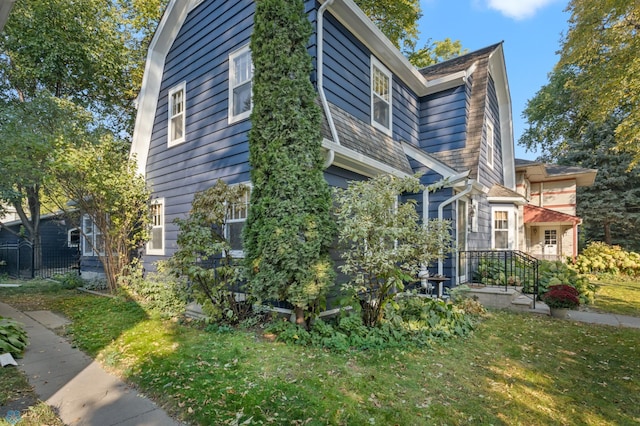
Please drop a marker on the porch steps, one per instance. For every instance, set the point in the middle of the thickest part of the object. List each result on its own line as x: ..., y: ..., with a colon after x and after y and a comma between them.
x: 503, y: 298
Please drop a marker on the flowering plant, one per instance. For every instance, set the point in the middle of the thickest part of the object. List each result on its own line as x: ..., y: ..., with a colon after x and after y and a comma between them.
x: 561, y: 296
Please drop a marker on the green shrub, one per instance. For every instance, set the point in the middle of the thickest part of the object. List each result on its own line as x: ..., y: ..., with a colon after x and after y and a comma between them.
x: 158, y: 291
x: 600, y: 258
x: 554, y: 273
x: 411, y: 320
x: 13, y: 338
x: 70, y: 280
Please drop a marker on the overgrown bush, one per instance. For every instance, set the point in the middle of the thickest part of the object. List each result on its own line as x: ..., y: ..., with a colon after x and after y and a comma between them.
x: 601, y: 258
x: 410, y: 320
x: 383, y: 243
x: 204, y: 256
x: 70, y: 280
x: 13, y: 337
x: 554, y: 273
x: 159, y: 291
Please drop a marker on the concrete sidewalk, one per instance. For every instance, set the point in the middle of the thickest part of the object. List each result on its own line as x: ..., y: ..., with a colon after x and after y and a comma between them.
x: 589, y: 317
x: 604, y: 319
x: 75, y: 385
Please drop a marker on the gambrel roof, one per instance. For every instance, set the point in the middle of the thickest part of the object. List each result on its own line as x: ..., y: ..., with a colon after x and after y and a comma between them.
x: 478, y: 66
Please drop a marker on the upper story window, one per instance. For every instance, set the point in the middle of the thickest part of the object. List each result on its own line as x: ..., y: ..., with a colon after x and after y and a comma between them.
x: 380, y: 96
x: 240, y: 76
x: 155, y: 246
x: 177, y: 113
x: 490, y: 144
x: 237, y: 216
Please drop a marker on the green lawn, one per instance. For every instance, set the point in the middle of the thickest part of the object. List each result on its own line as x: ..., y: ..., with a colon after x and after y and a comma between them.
x: 618, y: 296
x: 514, y: 369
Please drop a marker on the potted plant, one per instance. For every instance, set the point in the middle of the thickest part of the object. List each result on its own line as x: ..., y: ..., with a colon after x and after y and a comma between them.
x: 560, y: 299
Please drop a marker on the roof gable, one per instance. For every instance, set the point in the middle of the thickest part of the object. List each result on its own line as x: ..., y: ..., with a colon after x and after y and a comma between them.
x: 479, y: 65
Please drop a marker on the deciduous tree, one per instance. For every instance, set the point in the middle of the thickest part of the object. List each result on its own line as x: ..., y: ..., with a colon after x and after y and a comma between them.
x: 598, y: 67
x: 384, y: 244
x: 64, y: 65
x: 100, y: 182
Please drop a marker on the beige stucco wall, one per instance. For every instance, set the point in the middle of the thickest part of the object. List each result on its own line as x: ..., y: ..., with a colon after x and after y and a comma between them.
x: 559, y: 195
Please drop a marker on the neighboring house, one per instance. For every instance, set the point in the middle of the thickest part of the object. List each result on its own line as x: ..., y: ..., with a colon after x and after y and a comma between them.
x: 550, y: 221
x: 60, y: 241
x: 451, y: 121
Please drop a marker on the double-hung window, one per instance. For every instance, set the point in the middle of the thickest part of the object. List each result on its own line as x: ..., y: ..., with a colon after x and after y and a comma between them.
x: 155, y: 246
x: 240, y: 77
x: 177, y: 119
x: 380, y: 96
x: 236, y: 218
x: 500, y: 229
x: 93, y: 241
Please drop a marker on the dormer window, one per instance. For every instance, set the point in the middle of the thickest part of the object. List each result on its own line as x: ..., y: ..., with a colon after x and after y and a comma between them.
x: 240, y: 77
x: 380, y: 96
x: 176, y: 125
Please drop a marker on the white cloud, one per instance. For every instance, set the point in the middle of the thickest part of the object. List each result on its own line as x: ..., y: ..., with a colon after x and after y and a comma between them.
x: 518, y: 9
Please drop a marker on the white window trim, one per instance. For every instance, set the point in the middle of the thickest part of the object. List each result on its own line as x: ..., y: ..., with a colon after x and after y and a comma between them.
x: 490, y: 145
x: 180, y: 87
x: 158, y: 252
x: 69, y: 232
x: 237, y: 253
x: 88, y: 247
x: 232, y: 84
x: 512, y: 223
x: 375, y: 63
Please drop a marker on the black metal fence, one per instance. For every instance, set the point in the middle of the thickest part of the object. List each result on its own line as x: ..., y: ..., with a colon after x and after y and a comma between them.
x: 500, y: 268
x: 18, y: 260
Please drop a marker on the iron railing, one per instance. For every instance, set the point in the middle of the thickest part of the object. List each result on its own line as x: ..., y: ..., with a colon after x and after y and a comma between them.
x: 508, y: 268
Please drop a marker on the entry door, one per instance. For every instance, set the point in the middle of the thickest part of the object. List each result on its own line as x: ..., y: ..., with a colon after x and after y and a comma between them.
x: 550, y: 243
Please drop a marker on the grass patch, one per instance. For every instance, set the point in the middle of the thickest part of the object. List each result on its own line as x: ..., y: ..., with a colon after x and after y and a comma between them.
x: 618, y: 296
x: 514, y: 369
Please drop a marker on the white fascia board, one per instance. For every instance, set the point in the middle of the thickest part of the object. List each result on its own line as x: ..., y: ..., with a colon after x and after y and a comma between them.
x: 359, y: 24
x: 428, y: 161
x: 520, y: 201
x: 170, y: 24
x: 352, y: 160
x: 498, y: 70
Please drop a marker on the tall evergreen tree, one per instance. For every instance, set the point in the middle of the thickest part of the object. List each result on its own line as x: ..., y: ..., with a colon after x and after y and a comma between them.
x: 289, y: 228
x: 610, y: 207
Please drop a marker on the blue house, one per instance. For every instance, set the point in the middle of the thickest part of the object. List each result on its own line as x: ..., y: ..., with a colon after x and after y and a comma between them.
x: 451, y: 121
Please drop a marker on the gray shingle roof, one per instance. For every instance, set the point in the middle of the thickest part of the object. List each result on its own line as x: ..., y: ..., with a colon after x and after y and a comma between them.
x: 364, y: 139
x: 467, y: 158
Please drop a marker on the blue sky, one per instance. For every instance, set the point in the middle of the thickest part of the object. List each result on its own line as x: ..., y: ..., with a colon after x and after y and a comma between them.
x: 531, y: 31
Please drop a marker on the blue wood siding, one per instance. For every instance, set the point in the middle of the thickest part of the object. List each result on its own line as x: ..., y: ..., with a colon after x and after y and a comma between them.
x: 491, y: 175
x: 347, y: 70
x: 443, y: 120
x: 347, y: 75
x: 213, y: 149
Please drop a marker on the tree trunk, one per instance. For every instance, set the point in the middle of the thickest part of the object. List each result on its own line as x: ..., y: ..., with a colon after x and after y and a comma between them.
x: 300, y: 317
x: 607, y: 232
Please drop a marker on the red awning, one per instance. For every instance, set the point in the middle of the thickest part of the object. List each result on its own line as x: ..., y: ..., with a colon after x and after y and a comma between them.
x: 534, y: 214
